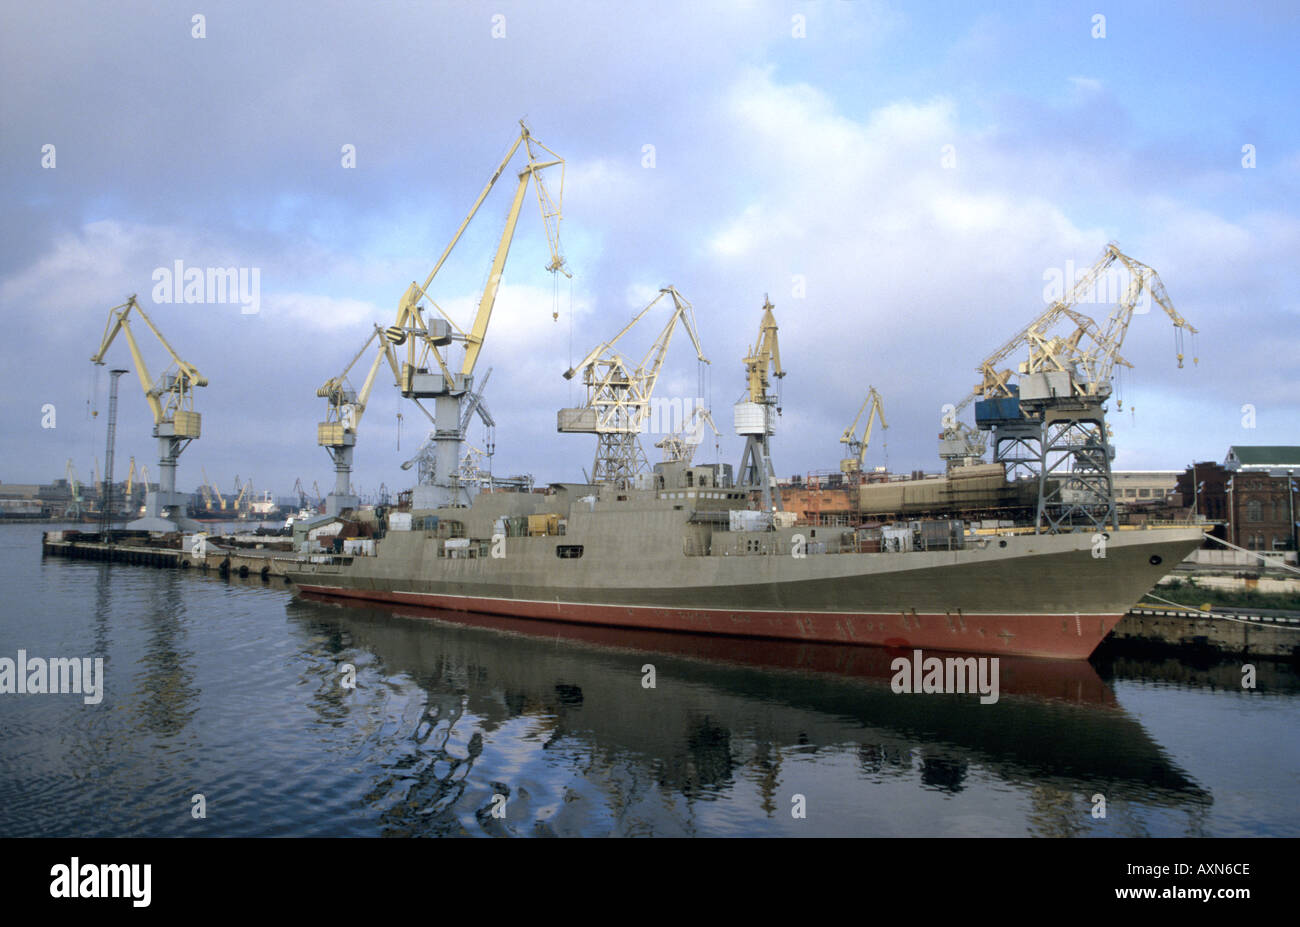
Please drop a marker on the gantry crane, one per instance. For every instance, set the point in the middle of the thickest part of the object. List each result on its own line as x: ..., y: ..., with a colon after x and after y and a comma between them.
x: 682, y: 444
x: 753, y: 413
x: 1050, y: 424
x: 618, y: 395
x: 176, y: 424
x: 345, y: 407
x: 425, y: 372
x: 961, y: 444
x: 1063, y: 393
x: 874, y: 408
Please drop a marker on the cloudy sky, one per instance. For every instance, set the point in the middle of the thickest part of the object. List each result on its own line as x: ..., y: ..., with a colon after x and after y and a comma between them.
x: 900, y: 179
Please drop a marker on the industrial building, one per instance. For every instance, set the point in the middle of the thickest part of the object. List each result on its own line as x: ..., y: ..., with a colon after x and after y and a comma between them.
x: 1253, y: 493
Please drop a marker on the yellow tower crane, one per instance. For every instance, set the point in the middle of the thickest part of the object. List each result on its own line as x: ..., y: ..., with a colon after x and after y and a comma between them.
x: 345, y: 407
x: 425, y: 372
x: 176, y: 424
x: 874, y: 408
x: 753, y: 413
x: 618, y: 395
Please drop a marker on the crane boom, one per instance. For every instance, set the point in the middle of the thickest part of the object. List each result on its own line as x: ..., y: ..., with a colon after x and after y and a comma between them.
x: 345, y: 408
x: 682, y: 444
x: 425, y: 373
x: 1099, y: 362
x: 171, y: 401
x: 858, y: 446
x: 117, y: 321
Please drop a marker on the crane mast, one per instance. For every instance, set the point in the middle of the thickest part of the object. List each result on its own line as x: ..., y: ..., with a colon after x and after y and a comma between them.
x: 176, y: 424
x: 425, y: 372
x: 753, y: 413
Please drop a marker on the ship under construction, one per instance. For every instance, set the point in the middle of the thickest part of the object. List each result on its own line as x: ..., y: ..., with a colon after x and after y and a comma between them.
x: 701, y: 548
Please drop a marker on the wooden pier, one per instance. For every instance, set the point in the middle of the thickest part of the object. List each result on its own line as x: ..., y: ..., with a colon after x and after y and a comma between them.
x: 267, y: 564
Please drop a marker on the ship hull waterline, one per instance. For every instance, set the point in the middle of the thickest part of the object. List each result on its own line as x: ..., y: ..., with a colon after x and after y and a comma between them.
x: 1068, y: 637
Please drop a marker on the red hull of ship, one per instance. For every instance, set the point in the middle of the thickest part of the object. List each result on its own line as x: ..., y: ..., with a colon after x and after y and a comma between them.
x: 1071, y: 637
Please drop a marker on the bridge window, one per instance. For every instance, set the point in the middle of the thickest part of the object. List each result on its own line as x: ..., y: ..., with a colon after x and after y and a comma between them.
x: 569, y: 551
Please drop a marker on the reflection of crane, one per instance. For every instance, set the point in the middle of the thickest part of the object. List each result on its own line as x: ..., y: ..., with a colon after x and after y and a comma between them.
x: 858, y: 446
x: 753, y: 414
x: 618, y: 395
x: 425, y: 373
x: 338, y: 433
x: 682, y: 444
x: 176, y: 424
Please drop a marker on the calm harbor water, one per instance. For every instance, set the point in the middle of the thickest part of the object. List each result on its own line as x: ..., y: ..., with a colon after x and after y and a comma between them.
x: 232, y: 689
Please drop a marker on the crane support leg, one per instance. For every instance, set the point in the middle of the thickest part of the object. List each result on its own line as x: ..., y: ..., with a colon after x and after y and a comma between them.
x: 342, y: 497
x: 164, y: 508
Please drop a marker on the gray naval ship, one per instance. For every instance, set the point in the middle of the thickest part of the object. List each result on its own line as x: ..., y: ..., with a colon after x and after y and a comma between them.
x: 685, y: 550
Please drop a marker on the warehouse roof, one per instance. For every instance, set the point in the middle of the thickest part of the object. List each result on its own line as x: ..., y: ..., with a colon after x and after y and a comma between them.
x: 1262, y: 456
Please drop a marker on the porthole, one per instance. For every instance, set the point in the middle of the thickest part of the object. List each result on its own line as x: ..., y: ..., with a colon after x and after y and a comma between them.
x: 1156, y: 560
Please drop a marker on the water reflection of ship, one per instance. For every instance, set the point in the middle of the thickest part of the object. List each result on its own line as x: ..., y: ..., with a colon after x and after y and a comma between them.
x: 1057, y: 731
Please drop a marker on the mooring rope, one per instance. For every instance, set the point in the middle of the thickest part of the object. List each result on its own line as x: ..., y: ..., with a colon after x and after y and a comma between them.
x: 1276, y: 563
x: 1192, y: 609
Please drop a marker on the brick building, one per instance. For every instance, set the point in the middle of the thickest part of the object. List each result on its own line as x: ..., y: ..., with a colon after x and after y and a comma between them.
x: 1253, y: 492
